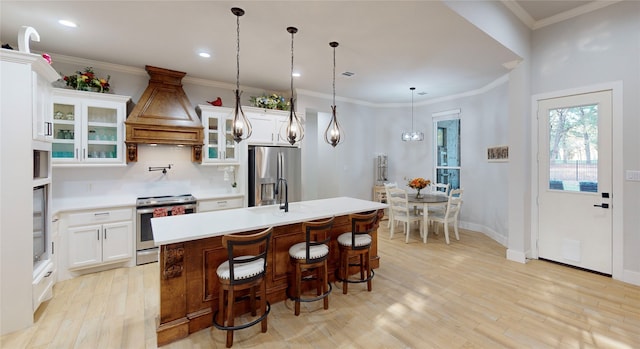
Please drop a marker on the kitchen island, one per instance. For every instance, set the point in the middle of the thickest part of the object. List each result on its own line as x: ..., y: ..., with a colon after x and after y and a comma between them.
x: 191, y: 250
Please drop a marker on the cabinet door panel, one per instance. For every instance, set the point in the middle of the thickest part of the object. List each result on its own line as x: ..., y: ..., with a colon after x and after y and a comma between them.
x: 117, y: 242
x: 262, y: 125
x: 85, y: 246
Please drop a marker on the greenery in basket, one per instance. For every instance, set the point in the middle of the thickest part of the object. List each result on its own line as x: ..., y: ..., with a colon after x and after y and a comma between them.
x: 87, y: 81
x: 272, y: 101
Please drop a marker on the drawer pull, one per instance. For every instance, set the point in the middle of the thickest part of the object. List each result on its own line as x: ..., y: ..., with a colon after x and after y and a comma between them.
x: 48, y: 274
x: 101, y: 214
x: 222, y: 202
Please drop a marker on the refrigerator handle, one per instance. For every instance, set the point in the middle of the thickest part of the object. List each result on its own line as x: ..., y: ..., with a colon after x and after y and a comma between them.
x: 280, y: 167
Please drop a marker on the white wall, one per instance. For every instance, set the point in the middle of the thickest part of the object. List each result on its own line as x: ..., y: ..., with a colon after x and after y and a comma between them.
x: 483, y: 123
x: 599, y: 47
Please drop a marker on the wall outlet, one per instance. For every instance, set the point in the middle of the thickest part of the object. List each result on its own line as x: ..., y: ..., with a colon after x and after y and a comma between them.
x: 632, y: 175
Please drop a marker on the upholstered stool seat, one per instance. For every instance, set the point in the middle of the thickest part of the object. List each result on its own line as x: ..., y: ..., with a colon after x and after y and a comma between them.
x: 357, y: 243
x: 309, y: 259
x: 243, y: 271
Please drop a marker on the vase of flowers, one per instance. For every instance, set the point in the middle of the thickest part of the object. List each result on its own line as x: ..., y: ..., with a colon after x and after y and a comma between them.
x: 418, y: 184
x: 272, y: 101
x: 87, y: 81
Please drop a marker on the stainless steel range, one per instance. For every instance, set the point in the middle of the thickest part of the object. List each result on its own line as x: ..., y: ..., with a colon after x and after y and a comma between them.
x: 158, y: 206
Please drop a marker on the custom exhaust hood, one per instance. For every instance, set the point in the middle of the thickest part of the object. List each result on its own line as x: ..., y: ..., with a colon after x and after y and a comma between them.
x: 164, y: 115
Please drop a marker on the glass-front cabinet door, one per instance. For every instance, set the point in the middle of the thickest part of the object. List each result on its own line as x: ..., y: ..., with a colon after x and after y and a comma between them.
x: 219, y: 144
x: 88, y: 128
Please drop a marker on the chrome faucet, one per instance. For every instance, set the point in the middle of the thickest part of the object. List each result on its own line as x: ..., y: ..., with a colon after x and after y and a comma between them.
x: 284, y: 206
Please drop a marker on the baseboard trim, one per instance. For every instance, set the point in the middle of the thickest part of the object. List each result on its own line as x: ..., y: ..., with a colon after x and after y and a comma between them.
x: 631, y: 277
x: 516, y: 256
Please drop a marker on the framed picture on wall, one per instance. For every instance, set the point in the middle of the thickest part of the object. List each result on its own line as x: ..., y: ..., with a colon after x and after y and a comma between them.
x: 498, y: 153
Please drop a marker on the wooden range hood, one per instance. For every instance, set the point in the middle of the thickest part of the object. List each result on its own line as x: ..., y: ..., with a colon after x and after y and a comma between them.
x: 163, y: 115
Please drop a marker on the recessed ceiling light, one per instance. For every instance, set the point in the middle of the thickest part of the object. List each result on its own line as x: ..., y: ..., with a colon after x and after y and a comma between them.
x: 204, y: 55
x: 295, y: 75
x: 348, y: 73
x: 67, y: 23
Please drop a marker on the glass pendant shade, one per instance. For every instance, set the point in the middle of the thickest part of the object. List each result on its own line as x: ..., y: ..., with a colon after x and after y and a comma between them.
x: 333, y: 132
x: 241, y: 127
x: 413, y: 135
x: 294, y: 132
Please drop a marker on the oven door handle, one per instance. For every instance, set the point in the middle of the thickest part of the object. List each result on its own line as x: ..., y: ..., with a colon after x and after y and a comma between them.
x: 150, y: 209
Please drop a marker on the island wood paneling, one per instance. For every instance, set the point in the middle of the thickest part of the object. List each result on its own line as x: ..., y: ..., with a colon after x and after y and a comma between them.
x: 189, y: 284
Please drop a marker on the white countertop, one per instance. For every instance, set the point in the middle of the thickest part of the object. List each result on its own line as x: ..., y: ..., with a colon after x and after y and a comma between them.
x: 173, y: 229
x: 113, y: 201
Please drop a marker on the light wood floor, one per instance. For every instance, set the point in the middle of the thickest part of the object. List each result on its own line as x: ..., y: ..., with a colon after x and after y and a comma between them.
x: 465, y: 295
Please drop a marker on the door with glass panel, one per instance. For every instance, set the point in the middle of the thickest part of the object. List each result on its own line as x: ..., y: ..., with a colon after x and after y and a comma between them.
x: 574, y: 180
x: 447, y: 155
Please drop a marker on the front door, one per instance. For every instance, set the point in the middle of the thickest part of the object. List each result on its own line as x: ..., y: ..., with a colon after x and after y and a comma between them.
x: 574, y: 174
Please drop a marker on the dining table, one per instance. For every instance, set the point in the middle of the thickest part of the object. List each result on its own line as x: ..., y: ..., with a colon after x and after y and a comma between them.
x: 425, y: 201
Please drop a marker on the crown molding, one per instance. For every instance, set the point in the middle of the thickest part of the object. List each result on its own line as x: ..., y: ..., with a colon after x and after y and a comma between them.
x: 578, y: 11
x: 563, y: 16
x: 217, y: 84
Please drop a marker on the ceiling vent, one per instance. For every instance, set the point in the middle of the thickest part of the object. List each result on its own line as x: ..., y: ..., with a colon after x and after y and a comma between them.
x: 163, y: 115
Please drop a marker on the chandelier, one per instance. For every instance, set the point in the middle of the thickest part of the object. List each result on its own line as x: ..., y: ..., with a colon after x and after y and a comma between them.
x: 241, y: 127
x: 413, y: 135
x: 333, y: 132
x: 294, y: 132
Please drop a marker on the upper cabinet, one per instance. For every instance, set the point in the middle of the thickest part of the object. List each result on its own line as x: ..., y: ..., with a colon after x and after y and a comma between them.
x: 88, y: 128
x: 219, y: 146
x: 267, y: 126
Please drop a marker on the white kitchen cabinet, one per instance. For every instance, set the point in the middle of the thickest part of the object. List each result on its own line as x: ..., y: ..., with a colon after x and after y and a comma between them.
x: 108, y: 240
x: 24, y: 88
x: 219, y: 146
x: 88, y: 128
x: 267, y: 126
x: 220, y: 204
x: 42, y: 116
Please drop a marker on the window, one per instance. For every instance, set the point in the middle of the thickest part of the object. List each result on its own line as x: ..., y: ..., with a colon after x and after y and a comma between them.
x: 446, y: 126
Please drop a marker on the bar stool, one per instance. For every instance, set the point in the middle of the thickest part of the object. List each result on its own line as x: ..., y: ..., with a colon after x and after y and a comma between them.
x: 311, y: 256
x: 244, y: 270
x: 357, y: 243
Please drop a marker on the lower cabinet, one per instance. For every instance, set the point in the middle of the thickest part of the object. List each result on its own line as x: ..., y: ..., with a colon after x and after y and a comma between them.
x: 219, y: 204
x: 96, y: 244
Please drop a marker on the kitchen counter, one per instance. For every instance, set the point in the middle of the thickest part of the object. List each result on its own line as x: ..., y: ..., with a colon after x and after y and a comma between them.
x: 191, y: 250
x: 121, y: 200
x: 167, y: 230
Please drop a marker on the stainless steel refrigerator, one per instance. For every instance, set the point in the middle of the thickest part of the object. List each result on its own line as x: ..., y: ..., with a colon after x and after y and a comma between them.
x: 266, y: 166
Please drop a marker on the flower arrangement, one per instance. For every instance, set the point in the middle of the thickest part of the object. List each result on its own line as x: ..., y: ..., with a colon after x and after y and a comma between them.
x: 272, y: 101
x: 418, y: 184
x: 87, y: 81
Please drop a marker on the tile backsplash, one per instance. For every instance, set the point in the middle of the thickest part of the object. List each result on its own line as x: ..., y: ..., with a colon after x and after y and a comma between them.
x: 135, y: 178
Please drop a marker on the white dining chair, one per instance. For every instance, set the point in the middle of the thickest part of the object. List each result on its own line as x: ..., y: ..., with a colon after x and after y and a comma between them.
x: 388, y: 186
x: 401, y: 212
x: 440, y: 188
x: 450, y: 214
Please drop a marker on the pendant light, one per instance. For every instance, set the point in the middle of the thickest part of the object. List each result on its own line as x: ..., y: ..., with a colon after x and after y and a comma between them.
x: 413, y: 135
x: 333, y: 132
x: 294, y: 132
x: 241, y: 127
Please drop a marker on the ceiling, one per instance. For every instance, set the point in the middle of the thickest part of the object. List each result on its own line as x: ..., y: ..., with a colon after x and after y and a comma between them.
x: 388, y: 45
